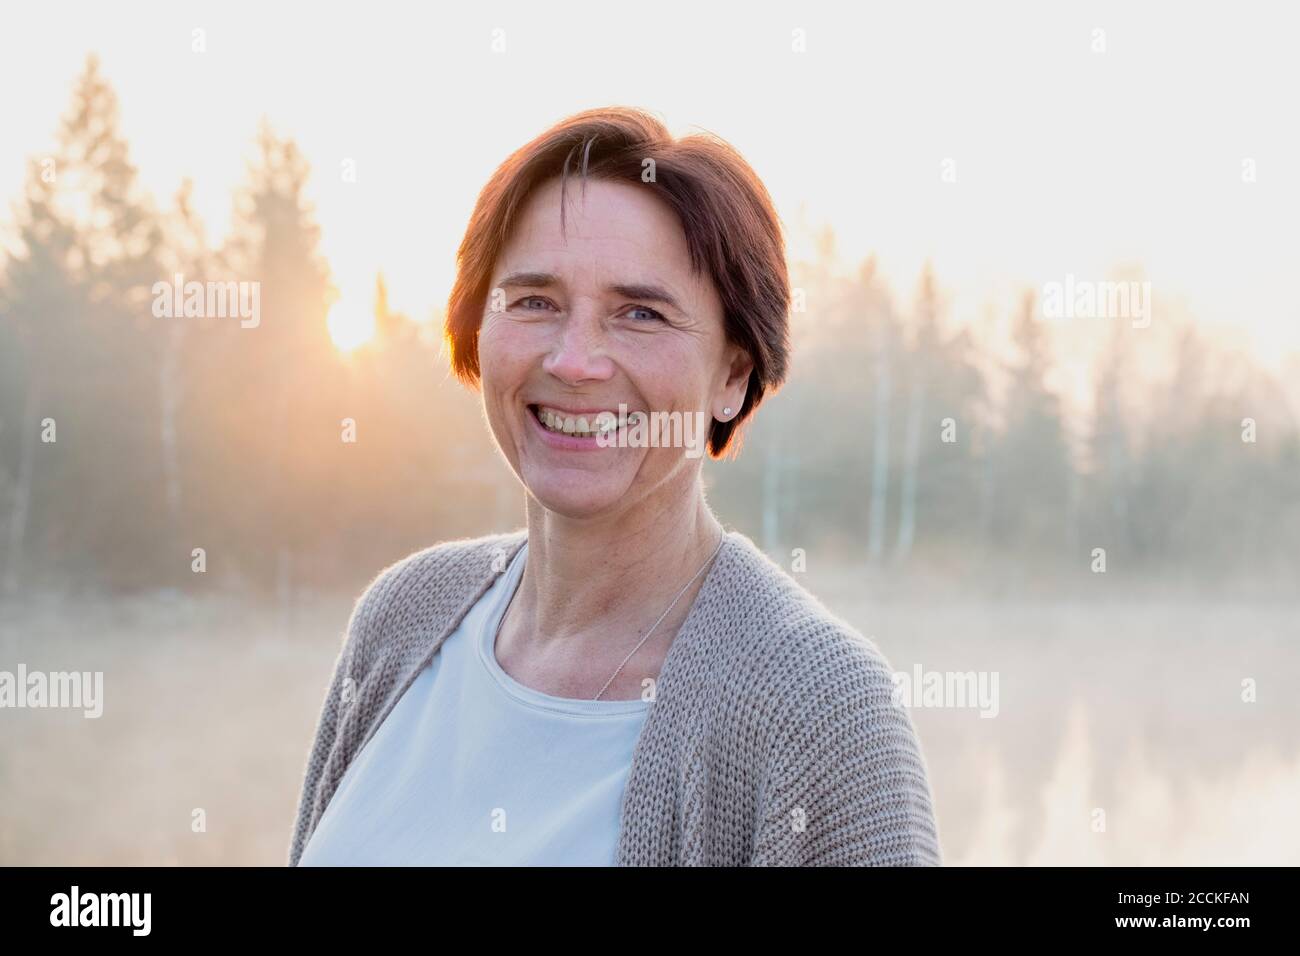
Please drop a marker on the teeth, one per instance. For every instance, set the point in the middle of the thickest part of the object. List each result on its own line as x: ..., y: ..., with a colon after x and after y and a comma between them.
x: 581, y: 426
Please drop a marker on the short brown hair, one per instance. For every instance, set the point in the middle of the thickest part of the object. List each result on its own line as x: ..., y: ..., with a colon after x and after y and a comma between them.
x: 732, y: 232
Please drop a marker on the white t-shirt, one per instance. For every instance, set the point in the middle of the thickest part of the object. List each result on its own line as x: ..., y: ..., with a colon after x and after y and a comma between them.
x: 473, y: 768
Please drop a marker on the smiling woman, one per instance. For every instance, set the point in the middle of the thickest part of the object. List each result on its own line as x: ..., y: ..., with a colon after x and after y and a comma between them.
x: 622, y: 681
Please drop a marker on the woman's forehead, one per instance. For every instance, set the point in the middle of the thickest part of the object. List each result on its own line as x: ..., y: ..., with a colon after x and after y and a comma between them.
x: 619, y: 236
x: 623, y: 216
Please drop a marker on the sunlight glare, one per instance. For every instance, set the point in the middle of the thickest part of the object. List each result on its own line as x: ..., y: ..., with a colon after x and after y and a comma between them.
x: 350, y: 327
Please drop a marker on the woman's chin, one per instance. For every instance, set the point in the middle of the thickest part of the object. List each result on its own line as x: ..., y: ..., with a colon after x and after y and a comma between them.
x: 576, y: 495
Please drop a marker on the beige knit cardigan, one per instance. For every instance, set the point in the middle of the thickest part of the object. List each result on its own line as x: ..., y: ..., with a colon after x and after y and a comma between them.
x: 773, y: 739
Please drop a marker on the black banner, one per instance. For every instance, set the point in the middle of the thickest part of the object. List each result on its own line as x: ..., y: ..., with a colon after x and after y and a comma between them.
x: 240, y: 905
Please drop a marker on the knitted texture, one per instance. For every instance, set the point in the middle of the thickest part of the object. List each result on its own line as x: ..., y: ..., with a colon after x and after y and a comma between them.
x: 773, y: 739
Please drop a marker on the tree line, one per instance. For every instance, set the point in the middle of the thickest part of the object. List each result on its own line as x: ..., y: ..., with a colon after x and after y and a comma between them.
x: 136, y: 450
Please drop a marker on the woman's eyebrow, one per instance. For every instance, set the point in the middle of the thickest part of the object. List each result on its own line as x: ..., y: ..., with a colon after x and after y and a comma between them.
x: 646, y: 293
x: 537, y: 280
x: 634, y: 290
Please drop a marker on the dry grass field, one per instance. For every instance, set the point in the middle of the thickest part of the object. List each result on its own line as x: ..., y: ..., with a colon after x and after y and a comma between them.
x: 1132, y: 707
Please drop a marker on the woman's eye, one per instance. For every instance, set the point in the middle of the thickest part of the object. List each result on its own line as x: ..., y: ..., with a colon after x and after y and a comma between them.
x: 651, y: 314
x: 532, y: 299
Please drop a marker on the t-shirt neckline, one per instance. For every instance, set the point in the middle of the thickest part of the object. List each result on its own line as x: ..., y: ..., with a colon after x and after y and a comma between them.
x: 508, y: 583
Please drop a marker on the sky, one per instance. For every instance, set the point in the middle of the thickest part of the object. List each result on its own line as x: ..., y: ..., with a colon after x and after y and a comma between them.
x: 1009, y: 145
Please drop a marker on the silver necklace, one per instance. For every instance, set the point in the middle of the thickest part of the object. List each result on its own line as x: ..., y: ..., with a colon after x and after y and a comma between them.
x: 652, y: 626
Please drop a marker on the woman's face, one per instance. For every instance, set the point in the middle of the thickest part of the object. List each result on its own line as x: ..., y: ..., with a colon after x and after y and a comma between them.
x: 610, y: 314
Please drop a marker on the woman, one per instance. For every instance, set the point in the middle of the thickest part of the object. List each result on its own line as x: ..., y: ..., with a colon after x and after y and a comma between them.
x: 624, y: 681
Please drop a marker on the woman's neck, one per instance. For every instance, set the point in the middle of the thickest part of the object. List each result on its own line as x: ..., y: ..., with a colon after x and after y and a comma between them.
x: 584, y: 579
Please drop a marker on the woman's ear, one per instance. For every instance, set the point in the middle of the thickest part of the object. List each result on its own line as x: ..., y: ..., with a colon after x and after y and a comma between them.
x: 736, y: 384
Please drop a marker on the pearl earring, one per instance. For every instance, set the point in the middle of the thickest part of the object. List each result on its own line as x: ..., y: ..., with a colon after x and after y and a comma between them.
x: 726, y: 412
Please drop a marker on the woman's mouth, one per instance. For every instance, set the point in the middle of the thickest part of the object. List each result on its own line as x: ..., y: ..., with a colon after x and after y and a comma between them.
x: 591, y: 424
x: 585, y: 425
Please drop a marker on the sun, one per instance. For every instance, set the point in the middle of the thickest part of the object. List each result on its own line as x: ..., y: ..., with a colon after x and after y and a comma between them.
x: 351, y: 325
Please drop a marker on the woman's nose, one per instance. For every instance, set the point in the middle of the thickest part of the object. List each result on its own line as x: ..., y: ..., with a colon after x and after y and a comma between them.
x: 578, y: 352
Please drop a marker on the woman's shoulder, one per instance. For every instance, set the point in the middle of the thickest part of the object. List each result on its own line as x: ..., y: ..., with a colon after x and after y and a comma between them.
x: 787, y: 645
x: 779, y: 613
x: 445, y: 564
x: 812, y: 705
x: 422, y: 589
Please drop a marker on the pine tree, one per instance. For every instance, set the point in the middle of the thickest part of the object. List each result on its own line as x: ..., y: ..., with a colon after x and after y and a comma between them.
x: 78, y: 291
x: 1031, y: 459
x: 281, y: 421
x: 39, y: 297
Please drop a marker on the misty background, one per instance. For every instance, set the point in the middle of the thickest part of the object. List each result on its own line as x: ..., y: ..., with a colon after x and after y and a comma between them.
x: 127, y: 441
